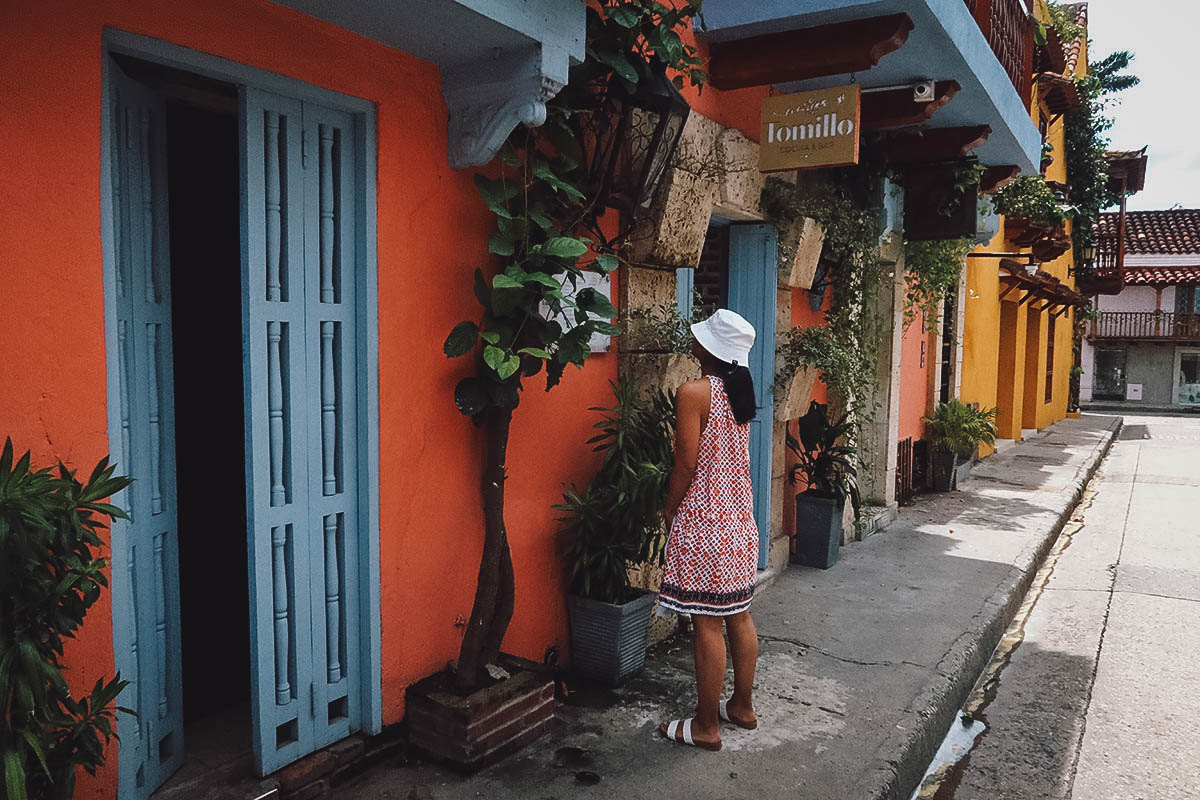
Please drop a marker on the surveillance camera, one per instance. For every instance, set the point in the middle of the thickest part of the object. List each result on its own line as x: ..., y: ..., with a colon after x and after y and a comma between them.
x: 923, y: 92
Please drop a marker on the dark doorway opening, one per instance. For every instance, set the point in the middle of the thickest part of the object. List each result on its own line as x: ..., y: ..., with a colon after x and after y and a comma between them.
x: 206, y: 289
x: 210, y: 420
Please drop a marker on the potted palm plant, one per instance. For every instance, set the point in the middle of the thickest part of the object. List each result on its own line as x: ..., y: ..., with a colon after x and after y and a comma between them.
x: 612, y: 524
x: 825, y: 468
x: 955, y: 432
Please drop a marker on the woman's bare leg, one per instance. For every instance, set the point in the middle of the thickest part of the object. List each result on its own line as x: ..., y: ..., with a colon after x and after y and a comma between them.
x: 743, y: 641
x: 709, y: 641
x: 710, y: 675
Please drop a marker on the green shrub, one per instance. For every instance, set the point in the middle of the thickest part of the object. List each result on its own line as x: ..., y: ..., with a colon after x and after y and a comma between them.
x: 49, y: 525
x: 1029, y: 197
x: 825, y: 463
x: 956, y: 427
x: 617, y: 521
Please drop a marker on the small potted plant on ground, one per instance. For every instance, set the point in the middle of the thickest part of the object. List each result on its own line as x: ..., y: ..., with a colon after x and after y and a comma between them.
x: 612, y: 524
x: 955, y: 432
x: 825, y: 468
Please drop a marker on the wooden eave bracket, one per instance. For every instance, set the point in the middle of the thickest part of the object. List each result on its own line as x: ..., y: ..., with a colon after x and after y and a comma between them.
x: 895, y: 108
x: 1059, y: 94
x: 995, y: 177
x: 934, y: 144
x: 804, y: 53
x: 1051, y: 57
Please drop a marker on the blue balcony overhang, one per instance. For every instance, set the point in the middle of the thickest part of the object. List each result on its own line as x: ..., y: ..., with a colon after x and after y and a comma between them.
x: 501, y: 61
x: 945, y: 44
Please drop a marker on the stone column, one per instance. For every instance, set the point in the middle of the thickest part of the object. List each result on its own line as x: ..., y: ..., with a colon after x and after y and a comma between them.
x: 880, y: 440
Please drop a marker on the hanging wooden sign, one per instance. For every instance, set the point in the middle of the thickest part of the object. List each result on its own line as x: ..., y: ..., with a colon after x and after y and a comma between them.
x: 810, y: 129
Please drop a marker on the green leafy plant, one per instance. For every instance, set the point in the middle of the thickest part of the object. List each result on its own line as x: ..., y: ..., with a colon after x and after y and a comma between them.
x: 932, y: 269
x: 1029, y: 197
x: 826, y: 464
x: 1086, y: 143
x: 617, y: 520
x: 956, y: 427
x: 531, y: 320
x: 657, y: 329
x: 1062, y: 21
x: 49, y: 526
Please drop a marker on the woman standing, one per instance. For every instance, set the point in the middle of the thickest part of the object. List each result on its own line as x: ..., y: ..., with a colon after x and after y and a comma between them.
x: 712, y: 552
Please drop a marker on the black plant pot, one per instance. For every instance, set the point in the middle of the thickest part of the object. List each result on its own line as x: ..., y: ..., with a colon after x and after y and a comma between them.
x: 949, y: 470
x: 818, y: 531
x: 608, y: 640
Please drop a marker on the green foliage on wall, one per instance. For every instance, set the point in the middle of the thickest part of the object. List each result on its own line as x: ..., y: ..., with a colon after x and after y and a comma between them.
x: 932, y: 270
x: 848, y: 203
x: 1029, y: 197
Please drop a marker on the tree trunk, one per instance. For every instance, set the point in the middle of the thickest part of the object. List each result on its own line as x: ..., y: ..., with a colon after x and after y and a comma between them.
x: 494, y: 593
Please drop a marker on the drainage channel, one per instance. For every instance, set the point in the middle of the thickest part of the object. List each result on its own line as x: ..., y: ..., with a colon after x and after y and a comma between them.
x: 954, y: 755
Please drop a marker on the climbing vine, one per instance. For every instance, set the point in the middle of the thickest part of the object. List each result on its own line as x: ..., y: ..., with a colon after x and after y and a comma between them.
x: 535, y: 316
x: 932, y: 269
x: 848, y: 205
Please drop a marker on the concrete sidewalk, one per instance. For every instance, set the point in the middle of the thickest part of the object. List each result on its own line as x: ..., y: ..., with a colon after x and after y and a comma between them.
x: 862, y: 667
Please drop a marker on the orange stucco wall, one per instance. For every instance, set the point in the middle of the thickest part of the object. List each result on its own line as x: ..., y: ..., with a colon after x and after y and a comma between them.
x: 915, y: 374
x: 432, y: 232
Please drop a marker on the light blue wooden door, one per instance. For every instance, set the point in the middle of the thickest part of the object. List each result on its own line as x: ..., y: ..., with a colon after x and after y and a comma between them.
x: 145, y: 569
x: 753, y: 278
x: 301, y: 459
x: 330, y: 292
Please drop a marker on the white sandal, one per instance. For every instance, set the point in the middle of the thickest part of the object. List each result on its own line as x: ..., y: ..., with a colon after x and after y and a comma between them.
x: 673, y: 729
x: 723, y: 713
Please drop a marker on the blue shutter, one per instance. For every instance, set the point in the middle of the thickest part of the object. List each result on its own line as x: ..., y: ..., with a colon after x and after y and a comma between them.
x: 685, y: 284
x: 753, y: 281
x: 301, y: 284
x: 278, y: 411
x: 330, y: 295
x: 145, y: 569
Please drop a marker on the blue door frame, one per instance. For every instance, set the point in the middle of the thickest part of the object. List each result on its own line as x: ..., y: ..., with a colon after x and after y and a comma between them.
x: 352, y: 594
x: 753, y: 282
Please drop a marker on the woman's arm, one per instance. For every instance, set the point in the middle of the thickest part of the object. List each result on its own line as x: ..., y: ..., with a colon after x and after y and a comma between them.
x: 691, y: 406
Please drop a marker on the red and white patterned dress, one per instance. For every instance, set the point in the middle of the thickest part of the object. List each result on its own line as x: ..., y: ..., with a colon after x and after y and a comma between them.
x: 712, y: 552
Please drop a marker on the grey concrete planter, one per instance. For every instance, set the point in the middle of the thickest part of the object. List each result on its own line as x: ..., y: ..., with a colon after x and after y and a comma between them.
x: 949, y: 470
x: 608, y: 640
x: 818, y: 531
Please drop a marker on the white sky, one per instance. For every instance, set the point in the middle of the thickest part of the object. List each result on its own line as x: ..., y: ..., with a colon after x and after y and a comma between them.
x: 1162, y: 111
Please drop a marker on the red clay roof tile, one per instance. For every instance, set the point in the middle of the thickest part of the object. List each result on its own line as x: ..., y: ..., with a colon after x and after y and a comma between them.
x: 1175, y: 231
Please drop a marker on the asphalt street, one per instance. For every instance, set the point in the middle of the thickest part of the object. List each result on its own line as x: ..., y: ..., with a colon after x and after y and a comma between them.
x: 1094, y: 692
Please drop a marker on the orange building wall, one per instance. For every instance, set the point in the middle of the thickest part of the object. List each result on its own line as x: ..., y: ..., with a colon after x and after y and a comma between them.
x: 914, y: 378
x: 432, y: 232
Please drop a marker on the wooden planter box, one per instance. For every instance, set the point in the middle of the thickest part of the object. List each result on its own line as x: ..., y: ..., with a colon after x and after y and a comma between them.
x: 1024, y: 233
x: 472, y: 732
x: 1049, y: 249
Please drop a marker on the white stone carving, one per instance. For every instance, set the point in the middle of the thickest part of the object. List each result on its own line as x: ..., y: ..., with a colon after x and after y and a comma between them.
x: 487, y: 99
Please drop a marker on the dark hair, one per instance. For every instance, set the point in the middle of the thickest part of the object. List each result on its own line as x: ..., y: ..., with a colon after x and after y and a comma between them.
x: 739, y: 388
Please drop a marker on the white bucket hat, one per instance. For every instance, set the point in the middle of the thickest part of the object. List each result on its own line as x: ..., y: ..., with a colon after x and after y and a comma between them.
x: 727, y: 336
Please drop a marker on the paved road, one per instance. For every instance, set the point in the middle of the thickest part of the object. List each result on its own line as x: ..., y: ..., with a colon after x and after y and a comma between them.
x: 1100, y: 695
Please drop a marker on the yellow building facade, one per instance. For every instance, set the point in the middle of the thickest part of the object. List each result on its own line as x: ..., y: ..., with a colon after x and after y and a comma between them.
x: 1018, y: 349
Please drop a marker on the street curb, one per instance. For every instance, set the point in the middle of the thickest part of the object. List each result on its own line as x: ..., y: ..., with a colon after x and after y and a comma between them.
x: 901, y: 761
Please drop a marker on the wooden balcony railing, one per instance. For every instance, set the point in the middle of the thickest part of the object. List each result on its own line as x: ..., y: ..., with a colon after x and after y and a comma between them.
x: 1008, y: 28
x: 1163, y: 325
